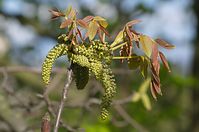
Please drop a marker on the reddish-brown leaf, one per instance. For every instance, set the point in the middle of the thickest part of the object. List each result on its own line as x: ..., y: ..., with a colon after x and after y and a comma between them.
x: 156, y: 87
x: 88, y: 18
x: 164, y: 44
x: 56, y: 12
x: 105, y: 31
x: 80, y: 35
x: 155, y: 68
x: 82, y: 23
x: 137, y: 44
x: 99, y: 32
x: 155, y: 78
x: 86, y: 36
x: 70, y: 33
x: 72, y: 13
x: 129, y: 34
x: 153, y: 92
x: 66, y: 23
x: 133, y: 22
x: 164, y: 61
x: 135, y: 32
x: 154, y: 55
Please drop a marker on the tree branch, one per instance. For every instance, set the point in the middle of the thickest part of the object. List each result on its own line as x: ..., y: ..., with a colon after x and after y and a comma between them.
x: 64, y: 97
x: 128, y: 119
x: 36, y: 70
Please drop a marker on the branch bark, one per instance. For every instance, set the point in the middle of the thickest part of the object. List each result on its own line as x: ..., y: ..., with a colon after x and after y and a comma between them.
x: 36, y: 70
x: 128, y: 119
x: 64, y: 97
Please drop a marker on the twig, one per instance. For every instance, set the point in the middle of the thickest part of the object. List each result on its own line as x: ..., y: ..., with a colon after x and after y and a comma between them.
x: 50, y: 106
x: 128, y: 119
x: 64, y: 97
x: 14, y: 69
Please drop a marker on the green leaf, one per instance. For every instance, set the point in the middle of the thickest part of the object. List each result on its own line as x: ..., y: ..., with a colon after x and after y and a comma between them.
x: 136, y: 97
x: 118, y: 39
x: 68, y: 10
x: 142, y: 94
x: 92, y: 30
x: 101, y: 21
x: 146, y: 45
x: 146, y: 101
x: 134, y: 62
x: 144, y: 67
x: 145, y: 85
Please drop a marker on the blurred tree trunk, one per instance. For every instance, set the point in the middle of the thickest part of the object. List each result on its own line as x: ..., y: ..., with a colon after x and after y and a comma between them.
x: 195, y: 70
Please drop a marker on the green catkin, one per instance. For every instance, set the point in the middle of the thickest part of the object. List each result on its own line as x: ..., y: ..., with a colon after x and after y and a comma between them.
x: 79, y: 59
x: 109, y: 85
x: 81, y: 75
x: 53, y: 54
x: 97, y: 57
x: 104, y: 74
x: 85, y: 59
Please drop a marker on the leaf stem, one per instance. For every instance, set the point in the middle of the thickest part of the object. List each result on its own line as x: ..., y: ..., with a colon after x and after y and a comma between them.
x: 117, y: 47
x: 122, y: 57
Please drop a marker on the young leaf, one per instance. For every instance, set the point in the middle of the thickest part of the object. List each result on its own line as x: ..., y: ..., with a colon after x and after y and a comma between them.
x: 142, y: 94
x: 80, y: 35
x: 101, y: 21
x: 104, y: 30
x: 134, y: 62
x: 68, y: 10
x: 164, y: 61
x: 154, y: 56
x: 99, y: 32
x: 144, y: 68
x: 99, y: 18
x: 136, y: 97
x: 146, y: 45
x: 144, y: 86
x: 88, y: 18
x: 118, y: 39
x: 55, y: 13
x: 164, y: 44
x: 82, y: 23
x: 153, y: 92
x: 133, y: 22
x: 92, y: 29
x: 156, y: 87
x: 66, y: 23
x: 129, y: 34
x: 72, y: 13
x: 146, y: 101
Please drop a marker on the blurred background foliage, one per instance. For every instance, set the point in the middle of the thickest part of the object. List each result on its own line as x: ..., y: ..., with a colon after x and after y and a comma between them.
x: 27, y: 34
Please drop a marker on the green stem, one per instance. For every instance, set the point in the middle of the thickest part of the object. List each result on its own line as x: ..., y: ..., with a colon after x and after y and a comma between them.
x: 122, y: 57
x: 113, y: 44
x: 117, y: 47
